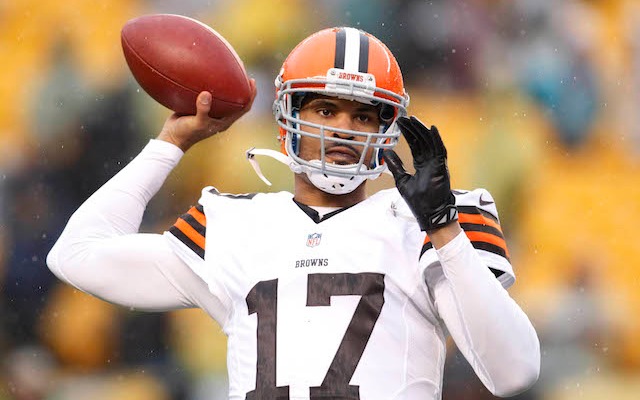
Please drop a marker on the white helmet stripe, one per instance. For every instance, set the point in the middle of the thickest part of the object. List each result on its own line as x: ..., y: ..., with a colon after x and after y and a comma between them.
x: 352, y: 50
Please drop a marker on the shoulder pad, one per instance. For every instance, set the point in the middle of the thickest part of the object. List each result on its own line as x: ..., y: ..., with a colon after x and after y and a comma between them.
x: 479, y: 199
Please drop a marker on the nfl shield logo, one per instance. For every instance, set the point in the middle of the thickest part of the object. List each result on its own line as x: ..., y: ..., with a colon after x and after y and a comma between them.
x: 314, y: 239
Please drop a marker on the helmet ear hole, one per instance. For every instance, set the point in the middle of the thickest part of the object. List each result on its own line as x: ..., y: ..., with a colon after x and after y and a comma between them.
x: 298, y: 100
x: 387, y: 113
x: 295, y: 138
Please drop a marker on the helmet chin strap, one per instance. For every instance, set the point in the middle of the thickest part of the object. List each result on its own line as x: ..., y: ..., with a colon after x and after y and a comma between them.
x: 331, y: 184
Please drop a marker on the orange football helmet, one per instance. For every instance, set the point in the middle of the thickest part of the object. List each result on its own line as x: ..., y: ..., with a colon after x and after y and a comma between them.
x: 346, y: 63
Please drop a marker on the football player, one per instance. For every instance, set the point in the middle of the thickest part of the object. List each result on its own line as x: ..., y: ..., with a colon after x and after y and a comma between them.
x: 324, y: 293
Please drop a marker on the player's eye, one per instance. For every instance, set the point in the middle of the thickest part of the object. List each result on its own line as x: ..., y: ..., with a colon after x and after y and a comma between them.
x: 368, y: 118
x: 325, y: 112
x: 363, y: 118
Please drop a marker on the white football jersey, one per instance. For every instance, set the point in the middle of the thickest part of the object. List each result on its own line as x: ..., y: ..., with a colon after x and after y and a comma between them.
x: 331, y: 308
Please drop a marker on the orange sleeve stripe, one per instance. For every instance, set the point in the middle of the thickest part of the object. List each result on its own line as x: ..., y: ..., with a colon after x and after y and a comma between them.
x: 199, y: 216
x: 189, y: 232
x: 488, y: 238
x: 475, y: 236
x: 478, y: 219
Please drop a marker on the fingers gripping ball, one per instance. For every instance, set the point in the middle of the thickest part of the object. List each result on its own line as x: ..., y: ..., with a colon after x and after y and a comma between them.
x: 174, y: 58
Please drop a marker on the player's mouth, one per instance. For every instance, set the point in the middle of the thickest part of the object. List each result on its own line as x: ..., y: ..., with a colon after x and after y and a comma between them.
x: 342, y: 154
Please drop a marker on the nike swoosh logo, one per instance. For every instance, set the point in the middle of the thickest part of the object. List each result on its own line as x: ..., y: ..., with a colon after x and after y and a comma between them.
x: 484, y: 202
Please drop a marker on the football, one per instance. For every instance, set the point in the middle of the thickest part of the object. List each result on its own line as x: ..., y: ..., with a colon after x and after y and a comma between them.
x: 174, y: 58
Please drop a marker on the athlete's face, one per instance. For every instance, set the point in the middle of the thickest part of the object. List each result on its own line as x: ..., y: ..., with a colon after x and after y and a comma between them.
x: 337, y: 113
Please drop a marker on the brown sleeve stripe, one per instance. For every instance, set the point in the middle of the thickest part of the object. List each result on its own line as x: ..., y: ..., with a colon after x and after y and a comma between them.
x: 483, y: 237
x: 482, y: 228
x: 491, y: 248
x: 476, y: 210
x: 190, y: 229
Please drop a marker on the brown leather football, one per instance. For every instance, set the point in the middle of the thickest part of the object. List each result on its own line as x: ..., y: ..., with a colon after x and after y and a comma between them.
x: 174, y: 58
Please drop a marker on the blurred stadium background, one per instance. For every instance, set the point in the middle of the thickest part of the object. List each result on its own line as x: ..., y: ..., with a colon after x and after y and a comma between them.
x: 537, y: 101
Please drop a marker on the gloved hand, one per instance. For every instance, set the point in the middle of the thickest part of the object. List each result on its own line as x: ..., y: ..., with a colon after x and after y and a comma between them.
x: 428, y: 192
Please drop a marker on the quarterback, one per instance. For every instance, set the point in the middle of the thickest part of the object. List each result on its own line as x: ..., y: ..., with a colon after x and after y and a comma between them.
x: 324, y: 293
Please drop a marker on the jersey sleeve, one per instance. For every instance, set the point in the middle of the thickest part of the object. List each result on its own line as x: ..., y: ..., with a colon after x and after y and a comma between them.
x: 189, y: 231
x: 478, y: 217
x: 188, y: 238
x: 188, y: 234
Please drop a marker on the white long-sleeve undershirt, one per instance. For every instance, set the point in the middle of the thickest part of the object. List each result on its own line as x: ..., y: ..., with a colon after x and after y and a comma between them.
x: 488, y: 326
x: 102, y: 253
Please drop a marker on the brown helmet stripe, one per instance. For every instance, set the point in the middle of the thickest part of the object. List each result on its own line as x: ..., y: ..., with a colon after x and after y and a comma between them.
x: 341, y: 47
x: 363, y: 63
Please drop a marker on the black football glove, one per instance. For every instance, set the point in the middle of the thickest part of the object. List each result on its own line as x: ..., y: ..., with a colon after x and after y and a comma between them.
x: 428, y: 192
